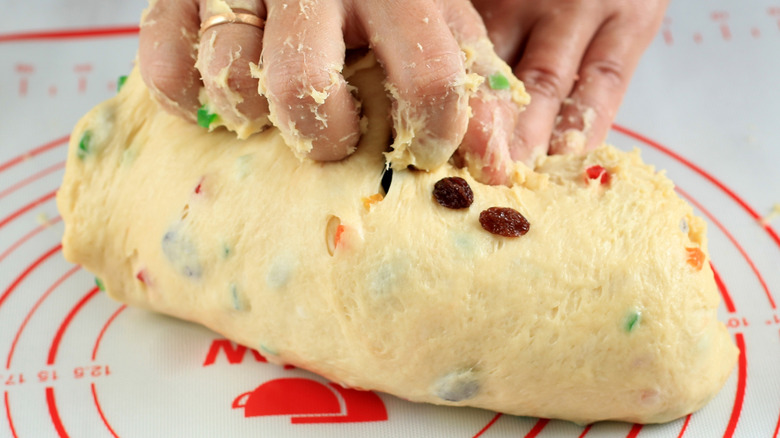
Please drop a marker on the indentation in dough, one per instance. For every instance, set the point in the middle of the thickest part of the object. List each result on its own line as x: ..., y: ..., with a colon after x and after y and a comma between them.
x: 684, y: 226
x: 333, y: 232
x: 280, y: 272
x: 181, y: 252
x: 457, y: 386
x: 387, y: 179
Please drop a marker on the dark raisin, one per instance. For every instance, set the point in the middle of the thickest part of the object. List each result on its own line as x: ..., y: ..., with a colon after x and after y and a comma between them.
x: 504, y: 221
x: 453, y: 192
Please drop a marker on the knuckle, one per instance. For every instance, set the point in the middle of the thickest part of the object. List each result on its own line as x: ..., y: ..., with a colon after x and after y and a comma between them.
x: 545, y: 82
x: 292, y: 82
x: 436, y: 77
x: 611, y: 71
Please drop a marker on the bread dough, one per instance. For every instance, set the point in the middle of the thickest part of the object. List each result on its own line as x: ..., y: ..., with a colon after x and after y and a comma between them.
x: 605, y: 309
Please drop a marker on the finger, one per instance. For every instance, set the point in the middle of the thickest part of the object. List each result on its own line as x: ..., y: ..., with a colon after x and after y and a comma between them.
x: 548, y: 68
x: 506, y: 23
x: 426, y: 78
x: 224, y: 57
x: 166, y: 54
x: 302, y: 63
x: 604, y: 76
x: 485, y: 146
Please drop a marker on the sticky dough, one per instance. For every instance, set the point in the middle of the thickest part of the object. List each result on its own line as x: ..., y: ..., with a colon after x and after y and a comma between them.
x: 597, y: 313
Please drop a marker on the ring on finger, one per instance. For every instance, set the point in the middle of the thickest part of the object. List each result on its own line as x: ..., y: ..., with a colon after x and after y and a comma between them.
x: 236, y: 17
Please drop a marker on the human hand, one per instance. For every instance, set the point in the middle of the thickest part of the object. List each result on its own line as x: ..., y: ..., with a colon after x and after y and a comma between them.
x: 575, y: 58
x: 300, y: 53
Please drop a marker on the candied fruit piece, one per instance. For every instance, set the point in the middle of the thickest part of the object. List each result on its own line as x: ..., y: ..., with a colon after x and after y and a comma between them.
x: 598, y: 172
x: 371, y: 200
x: 695, y: 258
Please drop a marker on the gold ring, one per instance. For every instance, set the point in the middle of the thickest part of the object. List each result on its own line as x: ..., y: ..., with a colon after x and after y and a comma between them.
x: 237, y: 17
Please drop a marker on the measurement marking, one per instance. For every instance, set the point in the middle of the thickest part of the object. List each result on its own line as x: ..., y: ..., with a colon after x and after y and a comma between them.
x: 53, y: 413
x: 697, y: 38
x: 658, y: 146
x: 27, y: 208
x: 34, y: 309
x: 8, y: 415
x: 685, y: 425
x: 64, y: 34
x: 53, y: 90
x: 100, y: 411
x: 741, y: 382
x: 585, y: 431
x: 31, y: 178
x: 734, y: 242
x: 55, y: 344
x: 39, y: 150
x: 28, y: 236
x: 489, y: 425
x: 756, y: 32
x: 27, y: 272
x: 105, y: 327
x: 724, y: 293
x: 635, y: 429
x: 725, y: 32
x: 538, y: 427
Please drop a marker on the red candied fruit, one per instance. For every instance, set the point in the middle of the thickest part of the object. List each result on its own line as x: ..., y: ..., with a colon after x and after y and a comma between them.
x: 598, y: 172
x: 504, y: 221
x: 453, y: 192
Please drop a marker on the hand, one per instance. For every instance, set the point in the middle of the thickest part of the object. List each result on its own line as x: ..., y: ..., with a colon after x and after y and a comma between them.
x: 301, y: 52
x: 575, y: 58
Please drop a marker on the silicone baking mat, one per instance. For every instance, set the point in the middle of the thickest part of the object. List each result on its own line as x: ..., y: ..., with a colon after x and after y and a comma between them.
x: 704, y: 105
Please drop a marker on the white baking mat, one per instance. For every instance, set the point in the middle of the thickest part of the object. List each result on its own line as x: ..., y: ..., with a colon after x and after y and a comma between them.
x: 704, y: 104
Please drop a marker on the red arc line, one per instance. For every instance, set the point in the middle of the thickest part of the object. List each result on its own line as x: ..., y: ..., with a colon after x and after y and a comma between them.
x: 39, y: 150
x: 8, y: 414
x: 32, y: 178
x: 538, y: 427
x: 34, y: 309
x: 488, y: 426
x: 27, y: 272
x: 733, y: 242
x: 55, y: 344
x: 100, y: 411
x: 105, y: 327
x: 62, y: 34
x: 635, y: 429
x: 658, y: 146
x: 585, y: 431
x: 739, y: 398
x: 54, y: 414
x: 27, y: 208
x: 28, y: 236
x: 777, y: 427
x: 684, y: 426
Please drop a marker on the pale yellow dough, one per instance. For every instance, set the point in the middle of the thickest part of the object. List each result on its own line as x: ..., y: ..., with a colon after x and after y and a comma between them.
x: 594, y: 314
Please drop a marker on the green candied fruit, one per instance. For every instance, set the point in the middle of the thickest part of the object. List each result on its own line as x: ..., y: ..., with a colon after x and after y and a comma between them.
x: 205, y: 117
x: 120, y: 83
x: 497, y: 81
x: 99, y: 284
x: 632, y: 321
x: 85, y: 145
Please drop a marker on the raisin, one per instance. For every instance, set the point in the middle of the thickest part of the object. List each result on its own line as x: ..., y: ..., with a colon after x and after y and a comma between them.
x: 504, y: 221
x: 453, y: 192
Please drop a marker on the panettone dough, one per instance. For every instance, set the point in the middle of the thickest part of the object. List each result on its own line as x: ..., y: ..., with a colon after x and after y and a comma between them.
x: 601, y: 311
